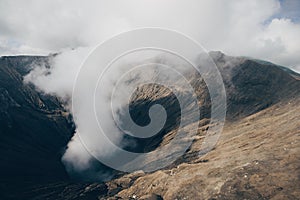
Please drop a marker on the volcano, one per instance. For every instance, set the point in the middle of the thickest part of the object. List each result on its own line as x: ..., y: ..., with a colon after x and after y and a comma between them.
x: 256, y: 157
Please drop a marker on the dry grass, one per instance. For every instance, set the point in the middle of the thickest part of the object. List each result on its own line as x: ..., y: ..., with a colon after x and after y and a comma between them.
x: 256, y: 158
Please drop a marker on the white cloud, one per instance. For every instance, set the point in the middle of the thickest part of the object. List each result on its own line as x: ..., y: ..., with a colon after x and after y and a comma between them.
x: 235, y: 27
x: 64, y: 68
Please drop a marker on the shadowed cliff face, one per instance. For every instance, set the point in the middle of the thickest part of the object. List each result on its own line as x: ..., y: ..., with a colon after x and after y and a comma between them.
x: 252, y: 85
x: 35, y: 129
x: 139, y: 107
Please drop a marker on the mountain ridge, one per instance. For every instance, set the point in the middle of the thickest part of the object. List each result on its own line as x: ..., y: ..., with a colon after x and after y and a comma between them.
x: 253, y: 89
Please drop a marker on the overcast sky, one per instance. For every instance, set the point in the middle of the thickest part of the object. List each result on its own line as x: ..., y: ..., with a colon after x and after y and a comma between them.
x: 265, y: 29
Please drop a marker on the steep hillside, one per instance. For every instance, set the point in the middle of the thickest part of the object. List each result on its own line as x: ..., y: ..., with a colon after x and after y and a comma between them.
x: 252, y: 85
x: 34, y: 129
x: 257, y: 156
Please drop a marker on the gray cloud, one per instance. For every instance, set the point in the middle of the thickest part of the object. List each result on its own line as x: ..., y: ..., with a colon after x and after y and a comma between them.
x: 238, y: 28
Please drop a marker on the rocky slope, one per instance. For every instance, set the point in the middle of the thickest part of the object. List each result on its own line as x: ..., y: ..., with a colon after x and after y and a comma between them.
x: 34, y: 130
x: 257, y: 156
